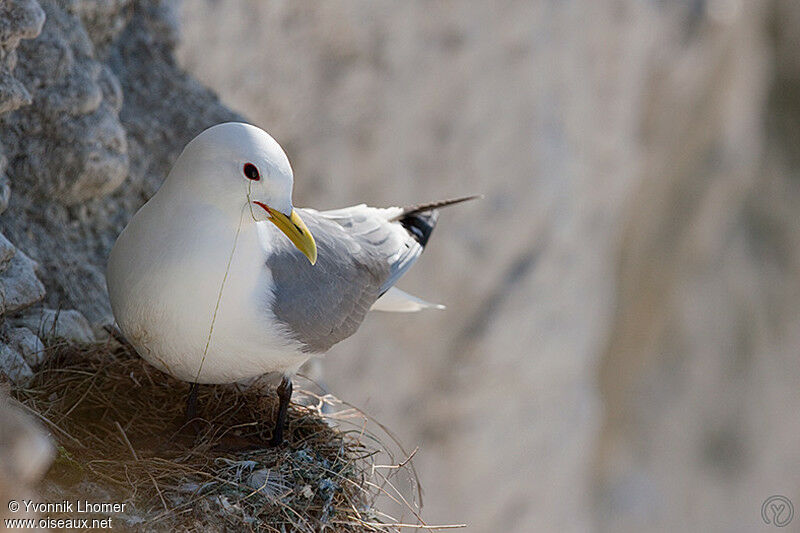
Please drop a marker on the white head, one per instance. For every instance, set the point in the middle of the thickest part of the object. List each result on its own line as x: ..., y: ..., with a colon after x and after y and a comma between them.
x: 235, y: 164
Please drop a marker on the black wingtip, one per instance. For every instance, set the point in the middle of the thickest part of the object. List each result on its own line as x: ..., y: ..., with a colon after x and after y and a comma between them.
x: 420, y: 220
x: 420, y: 225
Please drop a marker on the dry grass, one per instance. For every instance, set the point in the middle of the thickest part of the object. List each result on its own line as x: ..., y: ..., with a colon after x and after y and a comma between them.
x: 119, y: 426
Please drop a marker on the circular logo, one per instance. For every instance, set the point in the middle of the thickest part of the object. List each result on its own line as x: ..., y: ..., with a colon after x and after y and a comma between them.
x: 777, y: 510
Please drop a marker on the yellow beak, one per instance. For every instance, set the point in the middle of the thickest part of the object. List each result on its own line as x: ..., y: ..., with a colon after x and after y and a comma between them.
x: 294, y: 228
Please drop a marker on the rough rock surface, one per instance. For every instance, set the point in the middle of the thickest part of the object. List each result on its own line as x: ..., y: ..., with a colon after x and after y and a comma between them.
x: 25, y: 455
x: 19, y: 285
x: 25, y: 452
x: 109, y: 104
x: 55, y: 325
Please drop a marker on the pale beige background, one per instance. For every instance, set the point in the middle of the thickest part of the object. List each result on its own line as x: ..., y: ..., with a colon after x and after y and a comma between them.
x: 620, y: 350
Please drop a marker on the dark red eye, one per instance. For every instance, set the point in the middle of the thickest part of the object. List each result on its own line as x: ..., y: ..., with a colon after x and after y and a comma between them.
x: 251, y: 172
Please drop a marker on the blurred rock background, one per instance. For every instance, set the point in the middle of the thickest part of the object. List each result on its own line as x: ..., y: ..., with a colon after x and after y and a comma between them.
x: 620, y: 349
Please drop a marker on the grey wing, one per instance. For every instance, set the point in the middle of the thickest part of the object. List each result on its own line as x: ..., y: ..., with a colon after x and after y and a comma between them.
x: 361, y: 253
x: 378, y: 230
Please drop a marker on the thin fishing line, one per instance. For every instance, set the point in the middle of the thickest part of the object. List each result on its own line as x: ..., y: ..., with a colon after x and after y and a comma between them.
x: 222, y: 285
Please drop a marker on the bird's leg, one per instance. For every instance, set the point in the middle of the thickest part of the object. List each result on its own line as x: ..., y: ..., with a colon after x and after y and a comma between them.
x: 117, y: 335
x: 191, y: 403
x: 284, y: 395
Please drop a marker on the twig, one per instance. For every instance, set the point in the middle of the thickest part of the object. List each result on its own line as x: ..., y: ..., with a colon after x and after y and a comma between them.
x: 125, y: 438
x: 401, y: 464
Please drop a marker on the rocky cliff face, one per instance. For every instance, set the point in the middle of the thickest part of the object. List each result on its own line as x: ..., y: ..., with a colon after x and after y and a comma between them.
x: 96, y: 101
x: 18, y: 282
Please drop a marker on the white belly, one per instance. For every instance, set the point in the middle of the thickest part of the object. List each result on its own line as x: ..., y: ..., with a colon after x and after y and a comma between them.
x: 193, y: 310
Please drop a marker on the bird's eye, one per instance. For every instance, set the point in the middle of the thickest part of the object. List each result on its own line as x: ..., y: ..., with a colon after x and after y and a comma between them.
x: 251, y: 172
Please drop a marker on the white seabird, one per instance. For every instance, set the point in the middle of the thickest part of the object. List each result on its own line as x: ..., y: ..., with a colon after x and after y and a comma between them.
x: 218, y: 278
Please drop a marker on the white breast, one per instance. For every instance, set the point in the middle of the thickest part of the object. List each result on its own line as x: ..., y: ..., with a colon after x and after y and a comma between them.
x: 172, y: 274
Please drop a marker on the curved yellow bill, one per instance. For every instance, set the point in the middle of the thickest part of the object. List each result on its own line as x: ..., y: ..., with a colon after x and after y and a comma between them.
x: 294, y: 228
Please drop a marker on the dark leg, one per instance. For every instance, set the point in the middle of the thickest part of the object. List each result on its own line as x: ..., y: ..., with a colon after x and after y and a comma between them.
x: 284, y: 395
x: 191, y: 403
x: 117, y: 335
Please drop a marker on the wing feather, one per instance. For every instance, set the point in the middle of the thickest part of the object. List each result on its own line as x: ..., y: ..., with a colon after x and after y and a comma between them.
x: 361, y: 253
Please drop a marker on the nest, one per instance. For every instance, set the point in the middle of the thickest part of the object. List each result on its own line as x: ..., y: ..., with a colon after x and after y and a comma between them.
x: 120, y: 431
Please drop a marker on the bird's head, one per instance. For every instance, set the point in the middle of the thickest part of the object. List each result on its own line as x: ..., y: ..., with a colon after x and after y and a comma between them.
x: 237, y: 164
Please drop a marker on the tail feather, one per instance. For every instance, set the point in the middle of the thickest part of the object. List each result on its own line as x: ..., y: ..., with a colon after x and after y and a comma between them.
x: 421, y: 208
x: 419, y: 220
x: 397, y: 301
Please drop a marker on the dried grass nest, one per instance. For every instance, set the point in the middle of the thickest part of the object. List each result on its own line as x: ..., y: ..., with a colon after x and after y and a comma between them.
x: 120, y: 432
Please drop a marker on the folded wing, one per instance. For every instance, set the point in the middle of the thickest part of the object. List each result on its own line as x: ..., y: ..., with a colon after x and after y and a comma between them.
x: 361, y: 253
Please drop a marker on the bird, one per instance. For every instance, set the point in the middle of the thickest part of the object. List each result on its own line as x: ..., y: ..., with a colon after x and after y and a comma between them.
x: 218, y: 278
